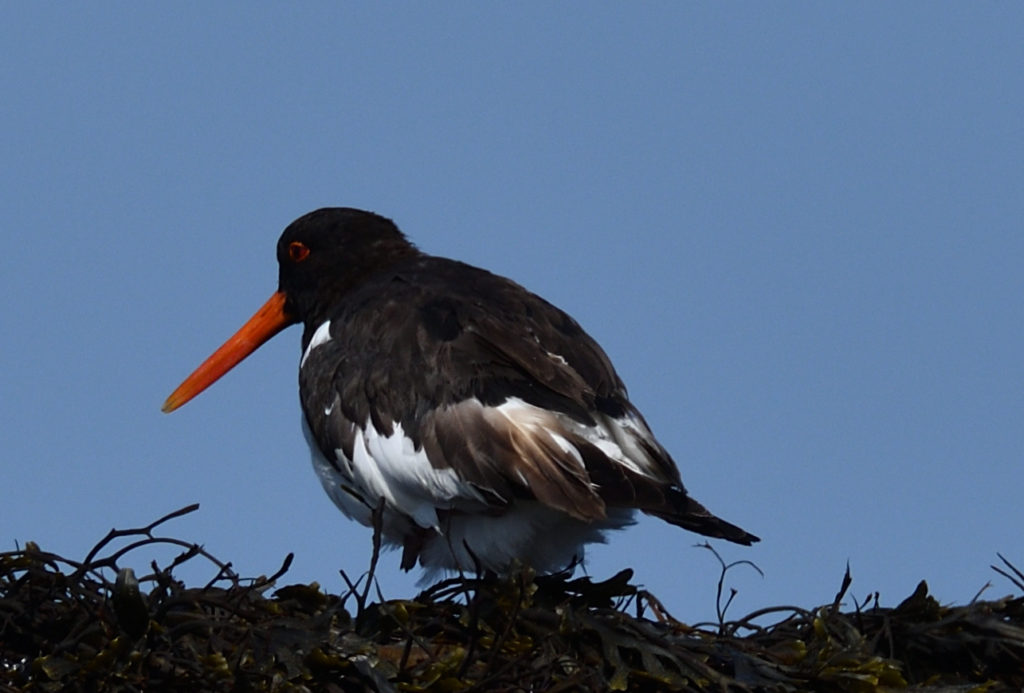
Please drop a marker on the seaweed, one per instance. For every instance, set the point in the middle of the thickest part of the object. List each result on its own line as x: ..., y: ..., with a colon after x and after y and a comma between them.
x: 92, y: 625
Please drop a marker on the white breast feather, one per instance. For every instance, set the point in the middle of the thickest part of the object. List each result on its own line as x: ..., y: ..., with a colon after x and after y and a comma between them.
x: 391, y: 467
x: 332, y: 479
x: 322, y: 335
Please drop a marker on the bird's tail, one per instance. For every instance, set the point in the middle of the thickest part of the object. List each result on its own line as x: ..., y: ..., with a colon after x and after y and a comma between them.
x: 687, y: 513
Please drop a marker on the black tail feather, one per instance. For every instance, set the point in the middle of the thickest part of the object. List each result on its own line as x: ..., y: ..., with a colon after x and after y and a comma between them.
x: 683, y: 511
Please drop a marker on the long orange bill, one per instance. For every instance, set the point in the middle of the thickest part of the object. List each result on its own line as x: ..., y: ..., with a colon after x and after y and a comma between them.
x: 268, y: 321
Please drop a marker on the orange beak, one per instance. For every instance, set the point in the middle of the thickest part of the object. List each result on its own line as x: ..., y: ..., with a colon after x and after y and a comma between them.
x: 268, y: 321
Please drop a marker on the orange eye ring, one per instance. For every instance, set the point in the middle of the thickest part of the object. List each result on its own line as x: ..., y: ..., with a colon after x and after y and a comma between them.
x: 298, y: 251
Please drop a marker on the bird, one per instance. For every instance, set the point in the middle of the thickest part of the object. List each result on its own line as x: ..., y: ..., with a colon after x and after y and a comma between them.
x: 472, y: 423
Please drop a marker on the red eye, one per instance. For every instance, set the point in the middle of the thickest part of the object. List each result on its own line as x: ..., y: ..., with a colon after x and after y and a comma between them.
x: 297, y: 251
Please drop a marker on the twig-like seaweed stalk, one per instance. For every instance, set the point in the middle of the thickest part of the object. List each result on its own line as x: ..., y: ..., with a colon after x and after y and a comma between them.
x: 720, y: 609
x: 1017, y: 578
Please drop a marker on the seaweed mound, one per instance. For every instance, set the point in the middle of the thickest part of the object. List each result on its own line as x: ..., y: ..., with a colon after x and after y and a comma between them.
x: 90, y: 626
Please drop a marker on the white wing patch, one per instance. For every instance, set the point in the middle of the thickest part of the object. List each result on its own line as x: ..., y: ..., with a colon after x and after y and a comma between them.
x: 619, y: 440
x: 535, y: 421
x: 322, y: 335
x: 616, y: 438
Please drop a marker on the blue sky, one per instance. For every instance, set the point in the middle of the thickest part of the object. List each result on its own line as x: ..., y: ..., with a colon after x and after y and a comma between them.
x: 797, y: 231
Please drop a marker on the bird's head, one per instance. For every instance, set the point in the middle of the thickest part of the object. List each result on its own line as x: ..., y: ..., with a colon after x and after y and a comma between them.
x: 322, y: 256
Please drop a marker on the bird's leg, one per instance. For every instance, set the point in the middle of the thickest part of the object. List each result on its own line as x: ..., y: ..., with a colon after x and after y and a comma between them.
x: 378, y: 529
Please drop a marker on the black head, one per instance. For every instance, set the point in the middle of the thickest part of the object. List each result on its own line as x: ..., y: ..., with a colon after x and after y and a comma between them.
x: 324, y: 254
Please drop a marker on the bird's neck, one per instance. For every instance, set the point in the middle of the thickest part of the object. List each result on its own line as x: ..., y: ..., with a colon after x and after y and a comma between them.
x: 332, y: 297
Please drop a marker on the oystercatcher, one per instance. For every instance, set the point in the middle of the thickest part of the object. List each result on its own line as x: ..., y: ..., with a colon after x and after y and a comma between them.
x: 485, y: 425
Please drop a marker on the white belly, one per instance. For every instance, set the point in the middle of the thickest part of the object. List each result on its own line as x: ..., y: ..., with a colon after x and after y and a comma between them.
x: 528, y: 533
